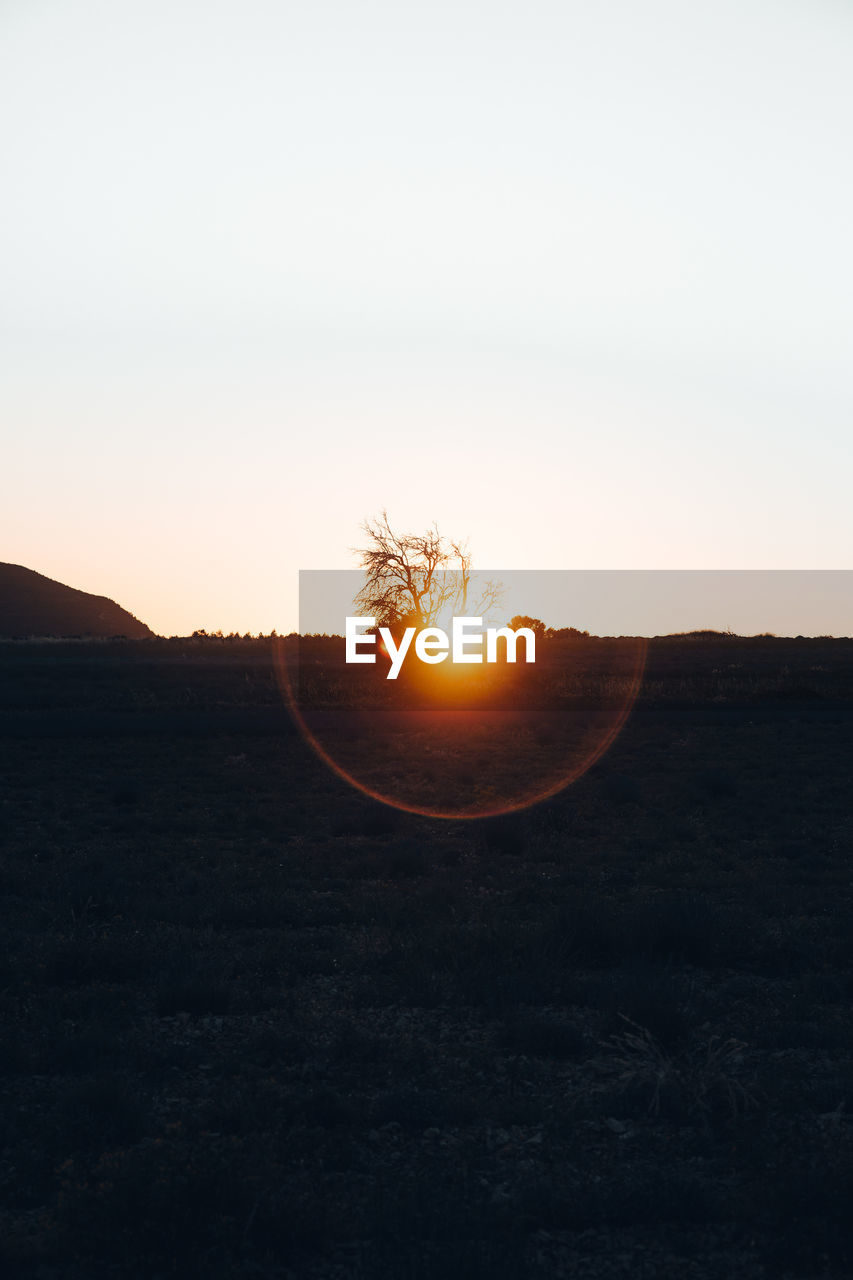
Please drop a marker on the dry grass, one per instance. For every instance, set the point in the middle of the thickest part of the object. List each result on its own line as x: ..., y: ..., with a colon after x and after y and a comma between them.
x: 703, y: 1080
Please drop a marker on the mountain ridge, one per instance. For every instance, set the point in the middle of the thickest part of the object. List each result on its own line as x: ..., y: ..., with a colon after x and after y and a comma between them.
x: 31, y: 604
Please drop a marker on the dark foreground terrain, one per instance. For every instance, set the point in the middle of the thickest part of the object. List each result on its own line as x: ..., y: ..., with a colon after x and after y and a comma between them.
x: 255, y: 1025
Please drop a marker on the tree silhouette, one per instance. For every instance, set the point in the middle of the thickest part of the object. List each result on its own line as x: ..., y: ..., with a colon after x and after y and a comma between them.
x: 533, y: 624
x: 414, y: 579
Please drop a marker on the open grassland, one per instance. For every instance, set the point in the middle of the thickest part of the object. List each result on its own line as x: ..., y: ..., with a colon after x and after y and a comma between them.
x: 255, y: 1025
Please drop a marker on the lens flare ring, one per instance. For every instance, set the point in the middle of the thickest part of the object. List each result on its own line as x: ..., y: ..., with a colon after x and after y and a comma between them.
x: 516, y: 794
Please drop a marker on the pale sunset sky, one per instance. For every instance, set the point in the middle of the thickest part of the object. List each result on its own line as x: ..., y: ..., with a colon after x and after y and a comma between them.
x: 572, y: 279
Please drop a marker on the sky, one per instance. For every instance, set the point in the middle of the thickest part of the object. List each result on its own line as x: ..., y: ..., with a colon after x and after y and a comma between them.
x: 574, y: 281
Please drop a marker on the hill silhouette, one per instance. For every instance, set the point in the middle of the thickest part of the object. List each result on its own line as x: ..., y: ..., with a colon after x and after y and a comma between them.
x: 33, y: 605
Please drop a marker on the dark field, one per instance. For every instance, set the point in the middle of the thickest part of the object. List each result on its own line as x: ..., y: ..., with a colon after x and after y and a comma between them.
x: 255, y: 1025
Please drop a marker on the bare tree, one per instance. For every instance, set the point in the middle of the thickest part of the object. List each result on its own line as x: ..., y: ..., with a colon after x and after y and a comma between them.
x: 412, y: 579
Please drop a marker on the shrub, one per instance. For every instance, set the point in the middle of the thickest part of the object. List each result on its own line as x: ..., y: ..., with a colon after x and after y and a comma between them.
x: 702, y: 1081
